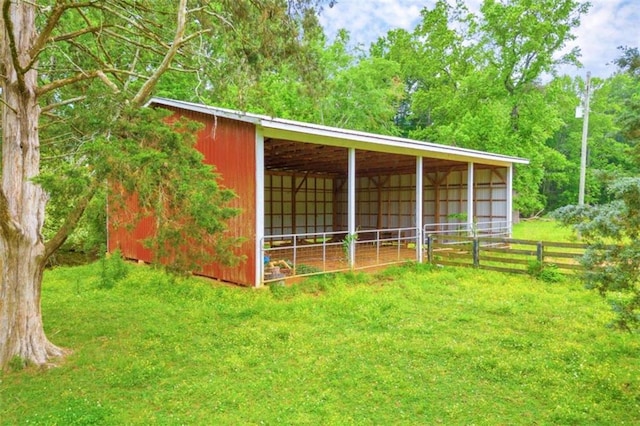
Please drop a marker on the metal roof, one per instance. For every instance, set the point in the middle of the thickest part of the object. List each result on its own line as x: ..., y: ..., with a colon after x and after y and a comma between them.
x: 282, y: 129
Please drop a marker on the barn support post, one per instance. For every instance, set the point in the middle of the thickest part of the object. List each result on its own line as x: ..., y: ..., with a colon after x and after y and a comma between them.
x: 419, y: 207
x: 509, y: 200
x: 351, y: 206
x: 259, y: 231
x: 470, y: 209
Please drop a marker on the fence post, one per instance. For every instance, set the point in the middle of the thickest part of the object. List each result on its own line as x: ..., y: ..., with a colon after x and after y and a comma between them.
x: 540, y: 252
x: 476, y: 252
x: 429, y: 248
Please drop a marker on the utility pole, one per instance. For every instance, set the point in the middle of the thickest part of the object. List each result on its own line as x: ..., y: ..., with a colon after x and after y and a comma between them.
x: 585, y: 132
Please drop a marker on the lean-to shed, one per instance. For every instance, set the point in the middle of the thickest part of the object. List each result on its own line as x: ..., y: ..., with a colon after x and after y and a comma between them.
x: 316, y: 198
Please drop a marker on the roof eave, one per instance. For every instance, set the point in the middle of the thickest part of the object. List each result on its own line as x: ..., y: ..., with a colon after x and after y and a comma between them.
x: 320, y: 134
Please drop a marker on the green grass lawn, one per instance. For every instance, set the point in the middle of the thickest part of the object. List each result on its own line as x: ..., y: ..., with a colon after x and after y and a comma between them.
x: 409, y: 345
x: 543, y: 230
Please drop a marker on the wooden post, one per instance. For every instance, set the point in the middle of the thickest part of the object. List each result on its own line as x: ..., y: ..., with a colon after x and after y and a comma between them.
x: 540, y: 252
x: 476, y: 253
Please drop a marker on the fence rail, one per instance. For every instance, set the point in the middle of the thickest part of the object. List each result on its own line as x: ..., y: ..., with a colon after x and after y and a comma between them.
x: 296, y: 255
x: 502, y: 254
x: 496, y: 228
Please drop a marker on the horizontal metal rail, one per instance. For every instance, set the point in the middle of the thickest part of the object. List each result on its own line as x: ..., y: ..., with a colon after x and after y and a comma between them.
x: 499, y: 228
x: 296, y: 255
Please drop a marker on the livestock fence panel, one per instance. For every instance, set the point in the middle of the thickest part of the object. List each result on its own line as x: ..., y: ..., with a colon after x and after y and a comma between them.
x: 502, y: 254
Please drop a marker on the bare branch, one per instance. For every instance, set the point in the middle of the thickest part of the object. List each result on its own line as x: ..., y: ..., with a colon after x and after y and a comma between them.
x: 178, y: 40
x: 102, y: 76
x: 51, y: 24
x: 45, y: 88
x: 132, y: 42
x: 75, y: 34
x: 71, y: 221
x: 37, y: 47
x: 81, y: 46
x: 136, y: 24
x: 80, y: 77
x: 132, y: 68
x: 98, y: 41
x: 49, y: 107
x: 6, y: 16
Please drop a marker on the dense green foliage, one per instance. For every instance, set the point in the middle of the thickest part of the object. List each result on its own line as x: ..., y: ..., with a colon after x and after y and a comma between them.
x: 484, y: 81
x: 410, y: 345
x: 100, y: 62
x: 612, y: 226
x: 612, y: 260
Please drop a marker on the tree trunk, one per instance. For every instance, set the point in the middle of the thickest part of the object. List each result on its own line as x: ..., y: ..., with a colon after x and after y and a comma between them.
x: 22, y: 202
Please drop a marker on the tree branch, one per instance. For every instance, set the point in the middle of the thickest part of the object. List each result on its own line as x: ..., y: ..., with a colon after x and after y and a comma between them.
x: 178, y: 40
x: 59, y: 104
x: 71, y: 221
x: 70, y: 80
x: 136, y: 23
x: 45, y: 88
x: 51, y: 24
x: 69, y: 36
x: 6, y: 16
x: 132, y: 42
x: 102, y: 76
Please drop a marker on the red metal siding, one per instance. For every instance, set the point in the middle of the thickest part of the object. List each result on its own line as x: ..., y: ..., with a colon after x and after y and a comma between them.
x: 129, y: 242
x: 229, y: 146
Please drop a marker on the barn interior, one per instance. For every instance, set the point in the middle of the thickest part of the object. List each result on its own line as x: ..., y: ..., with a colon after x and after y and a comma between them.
x: 306, y: 203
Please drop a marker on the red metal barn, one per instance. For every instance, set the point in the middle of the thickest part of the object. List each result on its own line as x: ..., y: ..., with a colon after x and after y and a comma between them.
x: 317, y: 199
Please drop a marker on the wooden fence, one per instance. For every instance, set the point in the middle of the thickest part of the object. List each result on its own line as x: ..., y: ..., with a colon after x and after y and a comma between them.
x: 503, y: 254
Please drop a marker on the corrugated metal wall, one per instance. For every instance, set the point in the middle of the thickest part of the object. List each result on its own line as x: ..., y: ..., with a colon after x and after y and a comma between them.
x: 229, y: 145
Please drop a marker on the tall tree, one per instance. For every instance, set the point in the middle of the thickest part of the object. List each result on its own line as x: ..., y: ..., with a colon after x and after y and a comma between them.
x: 524, y: 37
x: 28, y: 32
x: 475, y: 81
x: 629, y: 64
x: 76, y: 72
x: 612, y: 228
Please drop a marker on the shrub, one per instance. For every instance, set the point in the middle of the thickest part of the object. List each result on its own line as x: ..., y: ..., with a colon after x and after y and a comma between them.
x: 113, y: 269
x: 548, y: 273
x: 612, y: 260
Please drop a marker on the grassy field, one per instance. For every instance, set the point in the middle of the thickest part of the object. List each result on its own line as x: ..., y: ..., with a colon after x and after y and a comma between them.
x: 543, y: 230
x: 409, y: 345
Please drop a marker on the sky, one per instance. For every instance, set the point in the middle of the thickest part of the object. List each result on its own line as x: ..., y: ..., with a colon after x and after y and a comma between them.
x: 608, y: 24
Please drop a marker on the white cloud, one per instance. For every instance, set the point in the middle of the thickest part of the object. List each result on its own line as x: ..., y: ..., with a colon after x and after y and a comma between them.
x: 609, y: 24
x: 367, y: 20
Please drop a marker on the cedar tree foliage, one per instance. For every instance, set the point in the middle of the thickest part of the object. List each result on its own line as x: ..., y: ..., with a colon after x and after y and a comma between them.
x: 74, y: 75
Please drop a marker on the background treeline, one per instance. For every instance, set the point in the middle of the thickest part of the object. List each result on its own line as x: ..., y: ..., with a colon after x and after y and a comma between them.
x: 485, y: 81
